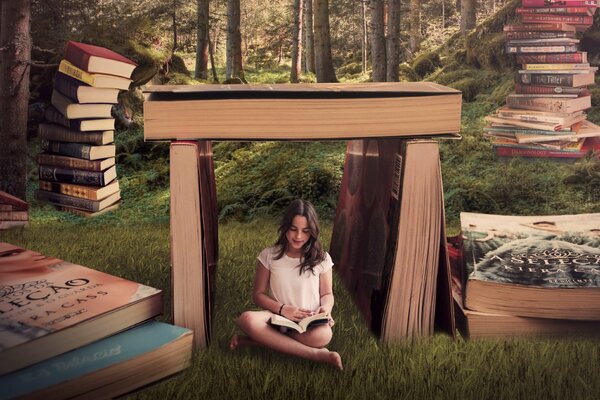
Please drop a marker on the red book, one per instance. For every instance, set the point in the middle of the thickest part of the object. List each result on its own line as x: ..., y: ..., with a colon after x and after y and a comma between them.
x: 557, y: 10
x: 570, y: 19
x: 17, y: 203
x: 590, y: 144
x: 545, y: 27
x: 535, y: 89
x: 96, y: 59
x: 561, y: 3
x: 556, y: 58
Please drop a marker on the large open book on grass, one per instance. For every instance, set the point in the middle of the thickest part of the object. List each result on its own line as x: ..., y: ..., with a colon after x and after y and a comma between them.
x: 388, y: 241
x: 305, y: 111
x: 533, y: 266
x: 49, y: 306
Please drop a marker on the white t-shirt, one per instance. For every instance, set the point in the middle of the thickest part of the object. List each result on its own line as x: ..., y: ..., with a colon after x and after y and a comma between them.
x: 287, y: 286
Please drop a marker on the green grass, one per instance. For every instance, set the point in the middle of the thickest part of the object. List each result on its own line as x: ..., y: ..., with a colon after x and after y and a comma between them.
x: 436, y: 367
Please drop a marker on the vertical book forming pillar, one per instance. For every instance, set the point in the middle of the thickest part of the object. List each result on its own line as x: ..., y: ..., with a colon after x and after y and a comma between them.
x: 187, y: 253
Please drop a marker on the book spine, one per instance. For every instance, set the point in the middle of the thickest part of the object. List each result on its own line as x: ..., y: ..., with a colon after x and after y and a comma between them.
x: 14, y: 216
x: 66, y: 87
x: 64, y: 200
x: 570, y: 19
x: 82, y: 192
x: 77, y: 57
x: 541, y: 67
x: 531, y: 118
x: 545, y: 79
x: 540, y: 104
x: 538, y: 35
x: 52, y: 132
x: 507, y: 151
x: 74, y: 72
x: 551, y: 58
x: 533, y: 89
x: 557, y: 3
x: 78, y: 150
x: 57, y: 174
x: 554, y: 10
x: 541, y: 49
x: 69, y: 162
x: 548, y: 27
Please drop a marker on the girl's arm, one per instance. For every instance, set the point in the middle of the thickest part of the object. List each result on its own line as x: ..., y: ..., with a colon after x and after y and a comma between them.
x: 326, y: 291
x: 263, y: 300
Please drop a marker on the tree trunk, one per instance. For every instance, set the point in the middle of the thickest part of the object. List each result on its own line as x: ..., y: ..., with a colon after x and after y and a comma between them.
x: 365, y: 36
x: 468, y: 15
x: 174, y: 27
x: 323, y: 59
x: 15, y: 55
x: 377, y: 31
x: 393, y: 41
x: 297, y: 43
x: 414, y: 43
x: 309, y: 40
x: 212, y: 60
x: 234, y: 70
x: 201, y: 71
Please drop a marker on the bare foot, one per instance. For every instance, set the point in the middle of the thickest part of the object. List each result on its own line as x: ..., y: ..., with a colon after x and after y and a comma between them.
x: 240, y: 341
x: 332, y: 358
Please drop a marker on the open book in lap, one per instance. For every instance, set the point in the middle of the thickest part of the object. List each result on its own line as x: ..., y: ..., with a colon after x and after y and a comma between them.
x: 301, y: 326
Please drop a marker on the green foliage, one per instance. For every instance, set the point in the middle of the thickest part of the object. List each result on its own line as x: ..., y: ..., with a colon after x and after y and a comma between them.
x: 471, y: 82
x: 426, y: 63
x: 260, y: 177
x: 407, y: 73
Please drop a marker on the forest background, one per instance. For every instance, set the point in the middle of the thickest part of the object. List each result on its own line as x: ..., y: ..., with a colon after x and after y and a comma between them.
x: 458, y: 44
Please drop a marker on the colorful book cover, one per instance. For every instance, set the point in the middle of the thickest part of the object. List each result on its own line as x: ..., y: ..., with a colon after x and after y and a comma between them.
x: 92, y: 358
x: 42, y: 301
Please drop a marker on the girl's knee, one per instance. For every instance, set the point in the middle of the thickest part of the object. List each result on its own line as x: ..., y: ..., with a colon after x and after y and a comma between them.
x: 317, y: 337
x: 245, y: 320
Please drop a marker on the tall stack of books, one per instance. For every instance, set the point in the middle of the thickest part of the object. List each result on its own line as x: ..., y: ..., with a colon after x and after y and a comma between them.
x: 13, y: 212
x: 527, y: 275
x: 545, y: 116
x: 77, y: 166
x: 69, y: 331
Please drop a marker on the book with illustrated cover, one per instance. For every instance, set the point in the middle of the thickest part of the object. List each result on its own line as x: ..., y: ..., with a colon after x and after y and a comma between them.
x: 532, y: 266
x: 49, y: 306
x: 108, y: 368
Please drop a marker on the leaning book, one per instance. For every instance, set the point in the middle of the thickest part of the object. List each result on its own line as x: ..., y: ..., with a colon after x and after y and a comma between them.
x: 107, y: 368
x: 49, y: 306
x: 533, y: 266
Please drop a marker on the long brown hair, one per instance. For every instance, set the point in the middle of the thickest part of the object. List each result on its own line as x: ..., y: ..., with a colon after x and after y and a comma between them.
x: 312, y: 251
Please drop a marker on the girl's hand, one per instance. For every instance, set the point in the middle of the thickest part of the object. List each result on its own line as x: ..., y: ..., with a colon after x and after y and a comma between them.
x: 295, y: 313
x: 323, y: 310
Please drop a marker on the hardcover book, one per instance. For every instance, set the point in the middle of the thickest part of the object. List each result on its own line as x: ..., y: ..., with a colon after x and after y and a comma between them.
x: 544, y: 27
x: 74, y: 162
x: 553, y: 104
x: 49, y: 306
x: 569, y: 19
x: 73, y: 110
x: 89, y: 214
x: 95, y: 80
x: 560, y: 3
x: 77, y: 176
x: 386, y: 244
x: 14, y: 201
x: 533, y: 266
x: 97, y: 59
x: 84, y: 125
x: 533, y: 49
x: 301, y: 326
x: 107, y: 368
x: 82, y: 191
x: 292, y: 112
x: 79, y: 150
x: 80, y: 92
x: 537, y: 35
x: 59, y: 199
x: 64, y: 134
x: 569, y: 78
x: 576, y: 57
x: 534, y: 89
x: 590, y: 144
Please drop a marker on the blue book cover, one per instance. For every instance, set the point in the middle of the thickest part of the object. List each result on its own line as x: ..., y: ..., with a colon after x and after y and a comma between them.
x: 91, y: 358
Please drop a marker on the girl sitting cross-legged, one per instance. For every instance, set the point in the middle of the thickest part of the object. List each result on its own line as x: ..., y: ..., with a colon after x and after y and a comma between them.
x: 294, y: 279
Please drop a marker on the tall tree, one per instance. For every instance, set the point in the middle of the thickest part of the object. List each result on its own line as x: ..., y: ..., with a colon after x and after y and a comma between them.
x: 414, y: 42
x: 468, y: 15
x: 201, y: 71
x: 377, y: 33
x: 323, y: 58
x: 15, y: 56
x: 297, y: 42
x: 309, y: 41
x: 174, y: 25
x: 234, y: 69
x: 364, y: 43
x: 393, y: 41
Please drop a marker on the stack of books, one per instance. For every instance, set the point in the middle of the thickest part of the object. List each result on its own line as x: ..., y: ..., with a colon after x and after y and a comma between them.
x: 545, y: 116
x: 70, y: 331
x: 527, y: 275
x: 13, y: 212
x: 77, y: 166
